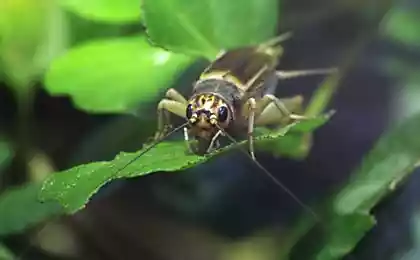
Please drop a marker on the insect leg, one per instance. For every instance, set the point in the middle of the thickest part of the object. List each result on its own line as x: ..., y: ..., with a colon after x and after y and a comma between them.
x: 214, y: 141
x: 175, y: 95
x: 269, y: 106
x: 301, y: 73
x: 165, y: 107
x: 187, y: 140
x: 174, y: 103
x: 251, y: 107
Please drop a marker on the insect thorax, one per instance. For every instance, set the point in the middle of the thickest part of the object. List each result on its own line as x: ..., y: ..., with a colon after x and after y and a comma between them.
x: 217, y: 89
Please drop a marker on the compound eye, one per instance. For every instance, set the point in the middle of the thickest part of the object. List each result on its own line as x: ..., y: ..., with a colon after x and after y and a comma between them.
x: 189, y: 111
x: 222, y: 114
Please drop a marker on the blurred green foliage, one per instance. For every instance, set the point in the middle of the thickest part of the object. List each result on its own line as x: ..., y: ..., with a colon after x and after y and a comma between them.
x: 202, y: 28
x: 6, y: 155
x: 30, y: 36
x: 384, y: 168
x: 5, y: 253
x: 402, y: 25
x: 20, y: 208
x: 413, y: 253
x: 114, y: 75
x: 109, y: 11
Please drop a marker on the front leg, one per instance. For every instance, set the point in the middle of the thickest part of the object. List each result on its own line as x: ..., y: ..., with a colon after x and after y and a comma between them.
x: 214, y: 144
x: 281, y: 74
x: 176, y: 104
x: 200, y: 146
x: 190, y: 148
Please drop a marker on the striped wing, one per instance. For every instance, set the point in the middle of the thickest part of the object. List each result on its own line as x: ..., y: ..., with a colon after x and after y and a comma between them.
x: 250, y: 66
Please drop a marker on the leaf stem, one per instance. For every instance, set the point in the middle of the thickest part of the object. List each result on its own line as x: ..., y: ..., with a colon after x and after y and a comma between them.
x: 24, y: 128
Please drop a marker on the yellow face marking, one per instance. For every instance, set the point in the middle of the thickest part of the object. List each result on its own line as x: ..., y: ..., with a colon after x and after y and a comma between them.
x: 205, y: 101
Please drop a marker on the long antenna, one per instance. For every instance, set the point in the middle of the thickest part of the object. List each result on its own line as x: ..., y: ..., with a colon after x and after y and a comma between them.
x: 151, y: 146
x: 22, y: 254
x: 271, y: 176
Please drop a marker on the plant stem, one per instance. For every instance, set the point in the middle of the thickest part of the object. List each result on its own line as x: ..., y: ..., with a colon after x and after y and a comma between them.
x: 24, y: 128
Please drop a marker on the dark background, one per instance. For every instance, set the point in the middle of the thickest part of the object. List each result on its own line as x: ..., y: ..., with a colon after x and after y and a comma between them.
x: 180, y: 215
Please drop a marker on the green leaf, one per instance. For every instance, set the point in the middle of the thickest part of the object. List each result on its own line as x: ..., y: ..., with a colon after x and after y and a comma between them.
x: 5, y: 253
x: 391, y: 161
x: 114, y: 75
x: 296, y: 143
x: 111, y: 11
x: 73, y: 187
x: 31, y: 33
x: 344, y: 233
x: 413, y: 252
x: 403, y: 25
x: 204, y: 27
x: 6, y: 154
x: 20, y: 208
x: 385, y: 167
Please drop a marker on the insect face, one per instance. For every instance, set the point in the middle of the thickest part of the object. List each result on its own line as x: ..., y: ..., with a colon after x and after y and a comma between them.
x: 206, y: 113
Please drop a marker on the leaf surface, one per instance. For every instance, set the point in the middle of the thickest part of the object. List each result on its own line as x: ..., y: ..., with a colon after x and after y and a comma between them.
x: 74, y: 187
x: 203, y: 28
x: 114, y: 75
x: 111, y: 11
x: 348, y: 213
x: 20, y: 208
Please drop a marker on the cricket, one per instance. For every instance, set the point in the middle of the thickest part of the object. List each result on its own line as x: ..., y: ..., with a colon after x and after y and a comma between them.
x: 232, y: 96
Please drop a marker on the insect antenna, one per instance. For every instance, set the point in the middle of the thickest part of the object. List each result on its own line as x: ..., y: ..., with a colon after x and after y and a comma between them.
x: 151, y: 146
x: 26, y: 250
x: 271, y: 176
x: 307, y: 208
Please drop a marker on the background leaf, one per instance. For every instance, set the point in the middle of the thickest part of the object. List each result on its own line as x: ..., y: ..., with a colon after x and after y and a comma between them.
x: 296, y: 143
x: 111, y: 11
x: 31, y: 33
x: 20, y: 208
x: 130, y: 71
x: 403, y: 25
x: 73, y: 187
x: 389, y: 163
x: 203, y: 28
x: 5, y: 253
x: 6, y: 154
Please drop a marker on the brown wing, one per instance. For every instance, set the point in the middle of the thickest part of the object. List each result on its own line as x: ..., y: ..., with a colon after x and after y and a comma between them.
x: 249, y: 65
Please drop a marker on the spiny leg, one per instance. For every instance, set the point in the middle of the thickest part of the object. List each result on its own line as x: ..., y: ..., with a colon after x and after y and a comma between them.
x: 175, y: 95
x: 214, y: 141
x: 301, y: 73
x: 165, y: 107
x: 269, y: 106
x: 251, y: 107
x: 187, y: 141
x: 174, y: 103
